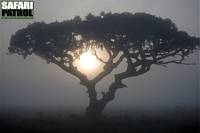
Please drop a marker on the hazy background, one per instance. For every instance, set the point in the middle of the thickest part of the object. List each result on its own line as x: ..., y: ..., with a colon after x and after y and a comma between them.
x: 33, y: 84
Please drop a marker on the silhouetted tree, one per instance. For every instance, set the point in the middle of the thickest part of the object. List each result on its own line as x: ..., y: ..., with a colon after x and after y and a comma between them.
x: 141, y: 40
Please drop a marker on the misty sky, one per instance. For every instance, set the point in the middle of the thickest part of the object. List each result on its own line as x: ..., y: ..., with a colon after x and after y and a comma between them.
x: 33, y: 83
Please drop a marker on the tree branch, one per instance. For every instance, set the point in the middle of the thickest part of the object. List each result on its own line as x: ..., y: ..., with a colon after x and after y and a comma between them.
x: 110, y: 95
x: 108, y: 68
x: 100, y: 59
x: 73, y: 70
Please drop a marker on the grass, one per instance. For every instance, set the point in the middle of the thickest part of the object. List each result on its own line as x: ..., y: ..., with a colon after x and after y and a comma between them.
x: 171, y: 122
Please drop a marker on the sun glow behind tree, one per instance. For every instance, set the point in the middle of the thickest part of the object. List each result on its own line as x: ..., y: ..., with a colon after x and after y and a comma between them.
x: 88, y: 61
x: 89, y: 64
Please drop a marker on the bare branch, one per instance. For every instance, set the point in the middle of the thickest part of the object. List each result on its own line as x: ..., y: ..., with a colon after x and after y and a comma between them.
x: 73, y: 70
x: 100, y: 59
x: 175, y: 62
x: 108, y: 68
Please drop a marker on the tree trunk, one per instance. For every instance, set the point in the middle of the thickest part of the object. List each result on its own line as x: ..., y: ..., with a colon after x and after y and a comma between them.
x: 95, y: 109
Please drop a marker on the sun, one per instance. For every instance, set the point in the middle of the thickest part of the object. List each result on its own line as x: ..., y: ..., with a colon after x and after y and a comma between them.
x: 88, y: 61
x: 89, y: 64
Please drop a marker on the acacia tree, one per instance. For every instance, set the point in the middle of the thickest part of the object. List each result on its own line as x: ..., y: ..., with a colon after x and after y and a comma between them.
x: 140, y: 40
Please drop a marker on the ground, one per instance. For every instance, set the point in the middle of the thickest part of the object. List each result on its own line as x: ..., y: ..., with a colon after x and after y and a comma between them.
x: 168, y: 122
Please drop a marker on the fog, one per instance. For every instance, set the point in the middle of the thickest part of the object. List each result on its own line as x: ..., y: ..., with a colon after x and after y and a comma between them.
x: 32, y: 83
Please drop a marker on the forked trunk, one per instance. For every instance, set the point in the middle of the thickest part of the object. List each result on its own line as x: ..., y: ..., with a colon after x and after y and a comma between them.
x: 95, y: 109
